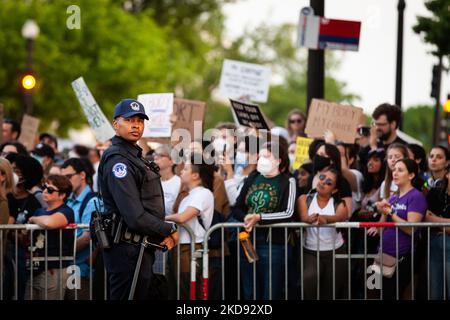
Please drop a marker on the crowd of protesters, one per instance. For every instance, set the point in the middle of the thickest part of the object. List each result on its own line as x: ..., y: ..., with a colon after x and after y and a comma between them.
x: 250, y: 179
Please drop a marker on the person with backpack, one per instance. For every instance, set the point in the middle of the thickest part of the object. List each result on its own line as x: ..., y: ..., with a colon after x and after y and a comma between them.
x: 323, y: 206
x: 196, y: 210
x: 83, y: 201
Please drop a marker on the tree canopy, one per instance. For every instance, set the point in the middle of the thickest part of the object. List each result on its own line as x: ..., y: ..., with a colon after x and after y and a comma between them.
x: 125, y: 48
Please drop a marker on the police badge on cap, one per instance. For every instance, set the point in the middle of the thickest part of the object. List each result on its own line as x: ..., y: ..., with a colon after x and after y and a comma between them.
x: 129, y: 108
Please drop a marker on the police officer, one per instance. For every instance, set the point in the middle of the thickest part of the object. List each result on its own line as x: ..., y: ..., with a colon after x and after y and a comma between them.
x: 131, y: 189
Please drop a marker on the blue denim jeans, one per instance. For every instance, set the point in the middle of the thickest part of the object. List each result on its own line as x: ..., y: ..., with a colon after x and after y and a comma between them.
x: 263, y: 277
x: 437, y: 266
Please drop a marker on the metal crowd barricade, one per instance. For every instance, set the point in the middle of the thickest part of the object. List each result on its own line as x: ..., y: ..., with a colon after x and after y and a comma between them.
x: 17, y: 262
x: 349, y: 256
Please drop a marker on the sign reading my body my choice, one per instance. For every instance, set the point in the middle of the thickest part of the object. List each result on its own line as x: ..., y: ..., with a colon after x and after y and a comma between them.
x: 242, y: 79
x: 342, y: 120
x: 158, y: 107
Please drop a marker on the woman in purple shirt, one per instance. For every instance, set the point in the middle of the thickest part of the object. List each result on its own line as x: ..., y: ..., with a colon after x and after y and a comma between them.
x: 407, y: 205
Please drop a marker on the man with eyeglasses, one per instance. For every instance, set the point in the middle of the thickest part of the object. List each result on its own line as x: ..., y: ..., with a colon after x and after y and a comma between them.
x: 131, y: 189
x: 386, y: 120
x: 82, y: 201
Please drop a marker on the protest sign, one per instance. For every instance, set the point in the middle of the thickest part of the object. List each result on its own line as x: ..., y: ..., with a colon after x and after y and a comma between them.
x: 248, y: 115
x: 97, y: 120
x: 187, y: 113
x: 244, y: 79
x: 301, y: 151
x: 158, y: 107
x: 29, y: 129
x: 342, y: 120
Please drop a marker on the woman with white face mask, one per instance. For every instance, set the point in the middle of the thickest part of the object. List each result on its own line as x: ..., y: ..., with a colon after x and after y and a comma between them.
x: 267, y: 196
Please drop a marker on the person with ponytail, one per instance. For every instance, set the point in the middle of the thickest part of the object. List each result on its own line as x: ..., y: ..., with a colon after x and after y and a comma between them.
x: 196, y: 211
x: 407, y: 204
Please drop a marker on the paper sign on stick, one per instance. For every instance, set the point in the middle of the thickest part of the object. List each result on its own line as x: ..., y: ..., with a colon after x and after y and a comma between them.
x: 301, y: 151
x: 158, y: 107
x: 29, y: 129
x: 188, y: 112
x: 342, y: 120
x: 248, y: 115
x: 97, y: 120
x: 244, y: 79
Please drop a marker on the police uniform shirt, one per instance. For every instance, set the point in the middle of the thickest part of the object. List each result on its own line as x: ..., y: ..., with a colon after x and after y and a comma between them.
x: 132, y: 189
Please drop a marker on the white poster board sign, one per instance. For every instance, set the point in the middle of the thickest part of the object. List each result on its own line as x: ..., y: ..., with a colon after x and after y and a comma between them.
x: 96, y: 118
x: 158, y: 107
x: 240, y: 79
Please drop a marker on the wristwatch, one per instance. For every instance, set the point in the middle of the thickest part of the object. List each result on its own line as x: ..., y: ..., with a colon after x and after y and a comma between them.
x: 173, y: 228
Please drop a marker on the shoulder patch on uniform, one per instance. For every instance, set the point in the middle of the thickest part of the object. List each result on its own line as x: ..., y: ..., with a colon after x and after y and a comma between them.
x: 120, y: 170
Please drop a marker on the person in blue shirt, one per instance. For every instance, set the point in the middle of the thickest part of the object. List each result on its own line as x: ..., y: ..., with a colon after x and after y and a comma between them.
x: 83, y: 202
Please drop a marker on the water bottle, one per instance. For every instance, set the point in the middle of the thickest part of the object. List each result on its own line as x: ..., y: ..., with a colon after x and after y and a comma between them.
x: 247, y: 246
x: 21, y: 217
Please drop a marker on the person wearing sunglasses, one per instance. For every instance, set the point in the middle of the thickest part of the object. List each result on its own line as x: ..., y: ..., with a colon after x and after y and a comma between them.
x: 323, y: 206
x: 296, y: 124
x: 53, y: 219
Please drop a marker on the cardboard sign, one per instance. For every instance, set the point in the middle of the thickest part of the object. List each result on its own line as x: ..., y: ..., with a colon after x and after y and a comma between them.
x: 97, y: 121
x: 340, y: 119
x: 2, y: 112
x: 158, y: 107
x: 188, y: 113
x: 316, y: 32
x: 244, y: 79
x: 248, y: 115
x: 29, y: 129
x: 301, y: 151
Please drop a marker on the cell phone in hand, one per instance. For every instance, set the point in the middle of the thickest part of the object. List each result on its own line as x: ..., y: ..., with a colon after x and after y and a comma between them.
x: 364, y: 131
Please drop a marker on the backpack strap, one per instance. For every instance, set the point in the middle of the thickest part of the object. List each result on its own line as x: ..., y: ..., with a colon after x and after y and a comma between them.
x: 312, y: 193
x: 85, y: 201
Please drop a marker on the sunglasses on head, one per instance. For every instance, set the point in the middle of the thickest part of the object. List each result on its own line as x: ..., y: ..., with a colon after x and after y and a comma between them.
x: 328, y: 181
x: 49, y: 189
x: 296, y: 121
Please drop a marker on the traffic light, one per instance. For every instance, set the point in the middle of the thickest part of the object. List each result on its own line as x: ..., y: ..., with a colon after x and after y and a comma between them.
x: 28, y: 81
x: 447, y: 106
x: 435, y: 82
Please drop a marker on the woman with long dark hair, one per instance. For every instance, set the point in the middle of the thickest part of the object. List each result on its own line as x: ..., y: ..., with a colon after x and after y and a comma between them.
x: 323, y: 206
x: 268, y: 196
x: 439, y: 211
x: 406, y: 205
x: 196, y: 211
x: 395, y: 152
x: 328, y: 156
x: 438, y: 160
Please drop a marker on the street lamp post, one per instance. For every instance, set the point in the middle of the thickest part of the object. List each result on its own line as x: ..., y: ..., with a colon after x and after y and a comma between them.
x: 30, y: 31
x: 398, y: 74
